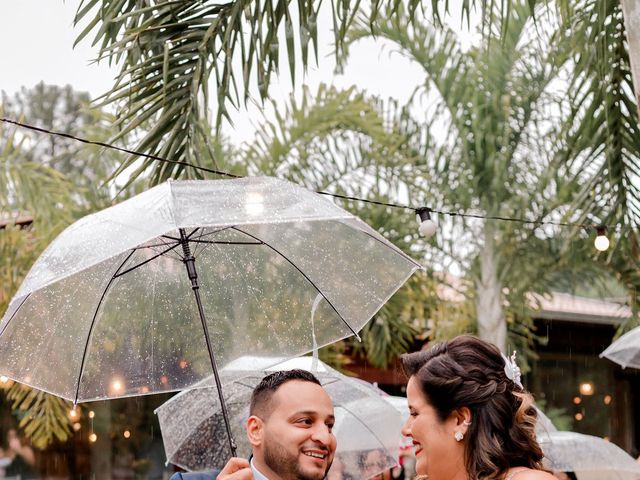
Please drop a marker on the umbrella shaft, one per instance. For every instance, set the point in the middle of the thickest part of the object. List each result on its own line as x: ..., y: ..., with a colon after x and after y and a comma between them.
x: 190, y: 263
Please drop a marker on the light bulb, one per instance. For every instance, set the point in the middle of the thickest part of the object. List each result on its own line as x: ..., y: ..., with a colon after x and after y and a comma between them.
x: 602, y: 242
x: 586, y: 388
x: 427, y: 226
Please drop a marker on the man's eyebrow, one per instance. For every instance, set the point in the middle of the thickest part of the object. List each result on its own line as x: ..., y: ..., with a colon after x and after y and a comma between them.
x: 311, y: 413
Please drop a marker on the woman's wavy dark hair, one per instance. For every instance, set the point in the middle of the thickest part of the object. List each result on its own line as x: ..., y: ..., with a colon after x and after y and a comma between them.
x: 469, y: 372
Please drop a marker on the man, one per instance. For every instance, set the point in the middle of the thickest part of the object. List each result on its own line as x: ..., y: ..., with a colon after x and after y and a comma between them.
x: 290, y: 431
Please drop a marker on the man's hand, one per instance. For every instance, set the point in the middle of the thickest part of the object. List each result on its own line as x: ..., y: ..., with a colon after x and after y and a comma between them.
x: 236, y: 469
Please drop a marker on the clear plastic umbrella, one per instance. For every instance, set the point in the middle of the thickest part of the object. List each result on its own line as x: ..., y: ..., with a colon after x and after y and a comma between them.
x: 367, y: 427
x: 589, y: 457
x: 625, y: 351
x: 109, y: 309
x: 544, y: 425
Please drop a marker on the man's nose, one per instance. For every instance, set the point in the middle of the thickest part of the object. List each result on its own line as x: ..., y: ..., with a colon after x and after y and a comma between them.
x: 323, y: 435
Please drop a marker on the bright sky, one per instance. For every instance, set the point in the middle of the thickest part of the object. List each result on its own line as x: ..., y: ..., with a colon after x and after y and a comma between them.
x: 37, y: 45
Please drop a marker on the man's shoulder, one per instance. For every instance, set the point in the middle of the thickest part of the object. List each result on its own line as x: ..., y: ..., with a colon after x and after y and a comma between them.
x: 209, y: 475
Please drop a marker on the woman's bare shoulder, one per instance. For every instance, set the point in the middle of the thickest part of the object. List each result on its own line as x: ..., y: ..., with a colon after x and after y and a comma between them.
x: 531, y: 474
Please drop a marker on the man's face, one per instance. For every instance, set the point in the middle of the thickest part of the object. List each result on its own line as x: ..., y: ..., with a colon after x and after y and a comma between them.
x: 297, y: 440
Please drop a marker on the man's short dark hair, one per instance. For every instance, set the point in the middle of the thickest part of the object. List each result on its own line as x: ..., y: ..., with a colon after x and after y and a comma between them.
x: 261, y: 404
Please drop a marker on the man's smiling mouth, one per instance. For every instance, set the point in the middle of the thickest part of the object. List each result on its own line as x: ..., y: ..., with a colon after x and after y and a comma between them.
x: 319, y: 455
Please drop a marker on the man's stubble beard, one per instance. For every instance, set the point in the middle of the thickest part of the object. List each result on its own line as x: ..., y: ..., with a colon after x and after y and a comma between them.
x: 286, y: 466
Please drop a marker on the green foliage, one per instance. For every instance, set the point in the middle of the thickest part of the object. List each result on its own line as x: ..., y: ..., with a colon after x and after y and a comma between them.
x: 601, y: 151
x: 169, y: 51
x: 54, y: 181
x: 42, y: 416
x: 559, y: 417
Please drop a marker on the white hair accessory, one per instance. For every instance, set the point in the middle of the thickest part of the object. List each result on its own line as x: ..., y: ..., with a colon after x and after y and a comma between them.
x: 511, y: 369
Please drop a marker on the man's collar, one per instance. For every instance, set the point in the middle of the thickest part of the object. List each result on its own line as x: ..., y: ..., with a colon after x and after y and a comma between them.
x: 257, y: 475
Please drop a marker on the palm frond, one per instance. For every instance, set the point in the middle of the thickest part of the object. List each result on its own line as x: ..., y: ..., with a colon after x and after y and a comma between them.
x: 42, y: 416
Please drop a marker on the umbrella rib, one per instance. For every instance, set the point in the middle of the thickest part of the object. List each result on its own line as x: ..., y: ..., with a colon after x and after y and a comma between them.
x: 119, y: 274
x: 153, y: 246
x: 14, y: 314
x: 175, y: 239
x: 225, y: 242
x: 399, y: 252
x: 93, y: 321
x: 204, y: 234
x: 303, y: 274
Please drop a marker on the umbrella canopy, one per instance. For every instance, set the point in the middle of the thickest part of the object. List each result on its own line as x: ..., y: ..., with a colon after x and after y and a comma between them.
x: 108, y: 309
x: 591, y: 458
x: 367, y: 427
x: 544, y: 425
x: 625, y: 351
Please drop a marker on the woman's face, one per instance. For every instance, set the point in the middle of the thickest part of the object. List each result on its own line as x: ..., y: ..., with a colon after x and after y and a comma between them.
x: 438, y: 454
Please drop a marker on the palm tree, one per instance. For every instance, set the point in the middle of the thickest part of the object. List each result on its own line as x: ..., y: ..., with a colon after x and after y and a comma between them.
x: 602, y: 134
x: 169, y: 51
x: 493, y: 100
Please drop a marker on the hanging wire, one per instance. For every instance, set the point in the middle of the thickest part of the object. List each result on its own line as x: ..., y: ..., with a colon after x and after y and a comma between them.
x: 115, y: 147
x: 335, y: 195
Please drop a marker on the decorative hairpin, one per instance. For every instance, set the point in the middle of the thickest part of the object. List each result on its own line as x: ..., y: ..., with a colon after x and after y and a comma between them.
x: 511, y: 369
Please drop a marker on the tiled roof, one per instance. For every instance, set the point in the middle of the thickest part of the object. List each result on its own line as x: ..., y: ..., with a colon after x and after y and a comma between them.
x: 564, y: 306
x: 556, y: 306
x: 14, y: 219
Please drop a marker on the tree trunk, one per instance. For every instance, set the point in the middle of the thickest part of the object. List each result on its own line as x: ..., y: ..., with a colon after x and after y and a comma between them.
x: 492, y: 325
x: 631, y: 12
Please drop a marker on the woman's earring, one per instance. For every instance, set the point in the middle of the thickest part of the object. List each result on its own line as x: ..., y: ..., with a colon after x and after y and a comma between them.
x: 458, y: 436
x: 466, y: 423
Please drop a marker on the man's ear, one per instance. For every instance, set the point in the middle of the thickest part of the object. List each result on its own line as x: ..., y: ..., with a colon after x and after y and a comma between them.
x: 255, y: 430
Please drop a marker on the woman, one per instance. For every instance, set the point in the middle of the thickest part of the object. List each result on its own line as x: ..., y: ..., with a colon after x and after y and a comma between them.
x: 470, y: 418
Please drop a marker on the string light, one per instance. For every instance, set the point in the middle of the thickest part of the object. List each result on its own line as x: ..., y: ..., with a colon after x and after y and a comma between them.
x: 126, y: 434
x: 586, y: 388
x: 427, y: 226
x: 93, y: 438
x: 601, y: 242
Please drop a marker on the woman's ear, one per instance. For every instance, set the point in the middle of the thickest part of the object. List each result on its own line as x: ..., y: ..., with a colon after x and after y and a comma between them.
x: 255, y: 430
x: 463, y: 418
